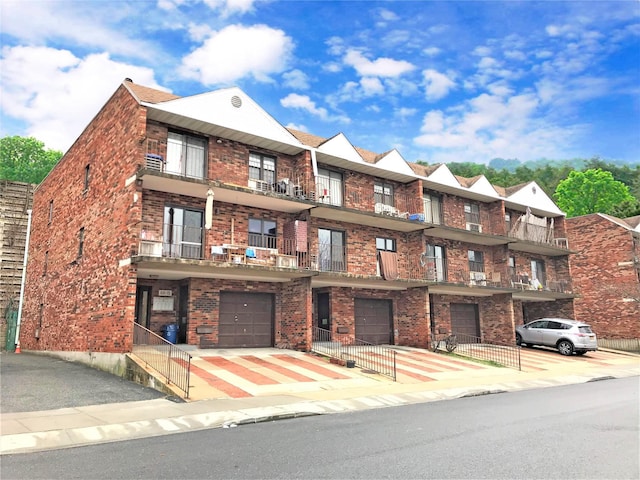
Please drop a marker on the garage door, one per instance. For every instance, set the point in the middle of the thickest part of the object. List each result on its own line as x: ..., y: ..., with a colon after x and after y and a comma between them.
x: 464, y: 319
x: 374, y: 321
x: 246, y: 320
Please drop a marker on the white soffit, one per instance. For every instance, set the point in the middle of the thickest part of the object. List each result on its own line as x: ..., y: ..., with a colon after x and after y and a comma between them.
x: 533, y: 196
x: 340, y: 147
x: 394, y: 162
x: 230, y: 108
x: 483, y: 186
x: 443, y: 175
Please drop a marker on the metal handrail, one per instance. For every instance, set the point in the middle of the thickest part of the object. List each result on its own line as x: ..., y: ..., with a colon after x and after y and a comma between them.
x: 173, y: 363
x: 505, y: 354
x: 345, y: 347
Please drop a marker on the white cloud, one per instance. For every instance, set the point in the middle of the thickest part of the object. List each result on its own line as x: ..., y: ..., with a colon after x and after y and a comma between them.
x: 437, y: 85
x: 236, y: 52
x: 481, y: 51
x: 199, y: 32
x: 303, y: 102
x: 371, y: 86
x: 228, y: 7
x: 296, y: 79
x: 404, y: 112
x: 431, y: 51
x: 56, y: 94
x: 388, y: 15
x: 90, y: 24
x: 381, y: 67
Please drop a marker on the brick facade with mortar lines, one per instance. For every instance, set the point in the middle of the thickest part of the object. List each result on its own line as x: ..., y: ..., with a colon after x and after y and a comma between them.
x: 88, y: 303
x: 606, y: 270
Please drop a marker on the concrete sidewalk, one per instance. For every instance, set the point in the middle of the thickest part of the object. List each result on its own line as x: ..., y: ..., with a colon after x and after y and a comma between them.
x: 68, y: 427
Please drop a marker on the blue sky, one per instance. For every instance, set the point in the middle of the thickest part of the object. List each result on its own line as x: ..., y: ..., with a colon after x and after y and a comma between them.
x: 440, y: 81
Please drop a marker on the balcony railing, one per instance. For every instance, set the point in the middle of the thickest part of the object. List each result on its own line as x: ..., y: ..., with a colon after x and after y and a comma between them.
x: 191, y: 168
x: 505, y: 354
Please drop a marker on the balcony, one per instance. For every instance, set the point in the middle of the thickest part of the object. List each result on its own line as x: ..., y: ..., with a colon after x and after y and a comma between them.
x: 534, y: 234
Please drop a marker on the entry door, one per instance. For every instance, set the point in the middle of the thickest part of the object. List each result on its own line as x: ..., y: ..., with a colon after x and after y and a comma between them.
x: 183, y: 312
x: 324, y: 315
x: 143, y: 306
x: 464, y: 319
x: 374, y: 321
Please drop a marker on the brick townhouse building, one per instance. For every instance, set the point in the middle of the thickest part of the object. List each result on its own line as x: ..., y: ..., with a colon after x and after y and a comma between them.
x: 606, y: 268
x: 207, y: 213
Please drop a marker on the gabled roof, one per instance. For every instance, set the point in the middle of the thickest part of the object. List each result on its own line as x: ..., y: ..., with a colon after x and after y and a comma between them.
x: 339, y: 146
x: 631, y: 223
x: 532, y: 195
x: 393, y: 160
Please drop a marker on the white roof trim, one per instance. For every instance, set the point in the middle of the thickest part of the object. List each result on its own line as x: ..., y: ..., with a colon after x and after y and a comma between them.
x: 339, y: 146
x: 393, y: 161
x: 532, y: 195
x: 483, y: 186
x: 619, y: 222
x: 443, y: 175
x: 217, y: 108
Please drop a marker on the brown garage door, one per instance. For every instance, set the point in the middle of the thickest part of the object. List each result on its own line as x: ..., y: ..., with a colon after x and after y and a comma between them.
x: 246, y: 320
x: 464, y: 319
x: 374, y: 321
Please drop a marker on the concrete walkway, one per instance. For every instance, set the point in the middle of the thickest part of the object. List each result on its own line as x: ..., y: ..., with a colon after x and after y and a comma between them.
x: 236, y: 387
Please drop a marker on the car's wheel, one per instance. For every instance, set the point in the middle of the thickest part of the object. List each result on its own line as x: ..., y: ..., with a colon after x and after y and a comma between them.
x: 581, y: 352
x: 565, y: 347
x: 519, y: 340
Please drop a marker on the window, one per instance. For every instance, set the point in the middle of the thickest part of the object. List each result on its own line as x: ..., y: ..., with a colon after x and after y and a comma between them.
x: 384, y: 245
x: 538, y: 274
x: 435, y: 263
x: 46, y: 263
x: 86, y: 177
x: 331, y: 250
x: 50, y: 211
x: 476, y: 261
x: 432, y: 209
x: 329, y: 187
x: 383, y: 193
x: 186, y: 155
x: 80, y: 242
x: 507, y: 221
x: 262, y: 233
x: 512, y: 267
x: 182, y: 233
x: 262, y: 167
x: 472, y: 213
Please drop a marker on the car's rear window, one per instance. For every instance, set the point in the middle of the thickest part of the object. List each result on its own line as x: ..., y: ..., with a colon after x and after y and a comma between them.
x: 585, y: 329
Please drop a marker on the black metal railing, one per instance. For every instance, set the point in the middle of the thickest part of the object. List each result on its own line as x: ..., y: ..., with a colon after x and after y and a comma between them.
x: 505, y: 354
x: 346, y: 348
x: 173, y: 363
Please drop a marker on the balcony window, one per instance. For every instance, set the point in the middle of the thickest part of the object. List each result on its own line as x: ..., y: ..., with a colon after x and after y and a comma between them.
x: 472, y: 213
x: 329, y: 187
x: 507, y: 221
x: 383, y: 193
x: 262, y: 170
x: 186, y: 155
x: 435, y: 263
x: 384, y: 245
x: 432, y: 209
x: 80, y: 242
x: 331, y: 251
x: 476, y: 261
x: 512, y: 268
x: 182, y: 233
x: 262, y: 233
x: 538, y: 274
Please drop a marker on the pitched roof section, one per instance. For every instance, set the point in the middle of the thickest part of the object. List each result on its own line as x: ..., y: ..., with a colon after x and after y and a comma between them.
x: 392, y: 160
x: 339, y: 146
x: 631, y: 223
x: 147, y: 94
x: 532, y: 195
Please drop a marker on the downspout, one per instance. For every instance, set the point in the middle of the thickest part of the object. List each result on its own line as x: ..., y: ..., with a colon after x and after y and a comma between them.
x: 24, y: 276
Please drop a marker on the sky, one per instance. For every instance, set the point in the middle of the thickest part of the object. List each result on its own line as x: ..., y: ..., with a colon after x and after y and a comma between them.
x: 440, y: 81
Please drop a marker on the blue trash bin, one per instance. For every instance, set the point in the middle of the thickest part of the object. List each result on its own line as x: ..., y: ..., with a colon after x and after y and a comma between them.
x: 170, y: 332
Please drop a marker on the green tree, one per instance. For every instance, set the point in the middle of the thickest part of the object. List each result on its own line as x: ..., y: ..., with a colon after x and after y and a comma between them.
x: 591, y: 191
x: 25, y: 159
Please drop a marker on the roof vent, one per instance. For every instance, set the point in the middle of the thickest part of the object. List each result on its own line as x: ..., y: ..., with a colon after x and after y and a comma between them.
x: 236, y: 101
x: 128, y: 80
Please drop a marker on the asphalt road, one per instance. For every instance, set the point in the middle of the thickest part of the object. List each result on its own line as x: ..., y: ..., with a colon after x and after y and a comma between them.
x: 30, y: 382
x: 580, y: 431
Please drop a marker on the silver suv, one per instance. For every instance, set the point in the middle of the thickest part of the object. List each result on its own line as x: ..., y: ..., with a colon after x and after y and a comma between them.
x: 568, y: 336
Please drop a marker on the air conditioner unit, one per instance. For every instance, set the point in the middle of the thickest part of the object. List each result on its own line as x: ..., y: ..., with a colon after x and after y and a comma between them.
x: 259, y: 185
x: 474, y: 227
x: 154, y: 162
x: 286, y: 261
x: 150, y: 249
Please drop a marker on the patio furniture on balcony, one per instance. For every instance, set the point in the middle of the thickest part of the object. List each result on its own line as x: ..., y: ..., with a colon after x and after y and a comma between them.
x: 478, y: 279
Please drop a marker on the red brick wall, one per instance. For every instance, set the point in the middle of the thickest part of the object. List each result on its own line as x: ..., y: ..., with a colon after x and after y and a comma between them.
x: 87, y: 302
x: 604, y: 271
